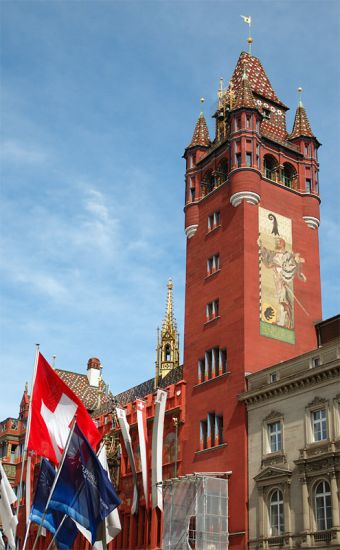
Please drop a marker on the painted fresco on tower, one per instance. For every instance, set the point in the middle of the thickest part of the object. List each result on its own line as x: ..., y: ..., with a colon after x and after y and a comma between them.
x: 279, y: 266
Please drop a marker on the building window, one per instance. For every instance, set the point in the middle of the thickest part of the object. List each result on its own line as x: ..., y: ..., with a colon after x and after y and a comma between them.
x: 212, y: 310
x: 192, y: 193
x: 308, y: 185
x: 214, y: 364
x: 214, y: 220
x: 258, y: 126
x: 238, y: 159
x: 319, y: 425
x: 323, y: 506
x: 273, y: 377
x: 275, y: 436
x: 211, y: 431
x: 276, y: 513
x: 315, y: 362
x: 249, y: 159
x: 213, y: 264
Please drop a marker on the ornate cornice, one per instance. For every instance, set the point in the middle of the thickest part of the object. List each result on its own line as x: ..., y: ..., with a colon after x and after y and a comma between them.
x: 312, y: 222
x: 191, y: 230
x: 292, y: 384
x: 248, y: 196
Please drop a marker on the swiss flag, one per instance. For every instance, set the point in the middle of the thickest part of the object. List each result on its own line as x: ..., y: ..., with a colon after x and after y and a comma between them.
x: 53, y: 407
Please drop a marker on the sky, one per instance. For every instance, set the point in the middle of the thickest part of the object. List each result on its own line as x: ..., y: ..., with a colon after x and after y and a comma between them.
x: 98, y: 101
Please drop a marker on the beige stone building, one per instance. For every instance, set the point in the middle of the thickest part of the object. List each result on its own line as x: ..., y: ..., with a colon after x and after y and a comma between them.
x: 294, y: 448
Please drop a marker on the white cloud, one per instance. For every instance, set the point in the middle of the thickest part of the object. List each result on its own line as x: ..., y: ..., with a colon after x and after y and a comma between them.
x: 16, y: 152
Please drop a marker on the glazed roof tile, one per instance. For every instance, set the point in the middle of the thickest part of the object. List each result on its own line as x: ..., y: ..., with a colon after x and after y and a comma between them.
x: 91, y: 396
x: 147, y: 387
x: 244, y: 96
x: 258, y: 80
x: 201, y: 133
x: 301, y: 125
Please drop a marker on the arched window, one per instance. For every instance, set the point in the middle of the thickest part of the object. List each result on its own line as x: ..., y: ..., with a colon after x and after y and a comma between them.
x: 208, y: 183
x: 323, y: 506
x: 276, y: 513
x: 222, y: 172
x: 288, y: 174
x: 167, y: 352
x: 270, y: 166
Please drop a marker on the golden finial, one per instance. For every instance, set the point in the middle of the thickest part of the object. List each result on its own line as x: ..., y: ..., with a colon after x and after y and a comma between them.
x: 300, y: 90
x: 202, y: 100
x: 247, y: 20
x: 26, y: 387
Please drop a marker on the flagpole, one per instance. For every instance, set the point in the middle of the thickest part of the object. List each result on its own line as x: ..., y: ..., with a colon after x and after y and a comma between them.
x: 65, y: 515
x: 37, y: 347
x: 55, y: 480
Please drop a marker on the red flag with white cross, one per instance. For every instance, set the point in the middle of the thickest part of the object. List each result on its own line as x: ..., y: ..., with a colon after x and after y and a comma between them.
x: 53, y: 407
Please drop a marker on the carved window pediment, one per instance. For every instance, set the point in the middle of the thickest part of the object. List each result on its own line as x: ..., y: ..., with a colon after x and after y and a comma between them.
x: 272, y: 415
x: 270, y: 473
x: 316, y: 402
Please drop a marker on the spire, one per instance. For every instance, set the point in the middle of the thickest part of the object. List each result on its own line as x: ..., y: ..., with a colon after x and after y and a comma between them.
x: 167, y: 351
x: 244, y: 96
x: 168, y: 322
x: 301, y: 125
x: 201, y: 133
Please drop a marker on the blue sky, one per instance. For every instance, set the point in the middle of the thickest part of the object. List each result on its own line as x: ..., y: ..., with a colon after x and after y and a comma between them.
x: 98, y: 101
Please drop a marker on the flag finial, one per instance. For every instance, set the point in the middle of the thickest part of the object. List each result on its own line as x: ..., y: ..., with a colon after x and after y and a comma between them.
x: 300, y: 90
x: 247, y: 20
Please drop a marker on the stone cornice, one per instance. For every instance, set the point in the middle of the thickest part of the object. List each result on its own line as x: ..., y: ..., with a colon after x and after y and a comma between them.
x: 292, y: 384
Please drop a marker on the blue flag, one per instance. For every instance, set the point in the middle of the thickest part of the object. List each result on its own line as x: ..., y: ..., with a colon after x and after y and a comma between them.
x: 68, y: 531
x: 83, y: 490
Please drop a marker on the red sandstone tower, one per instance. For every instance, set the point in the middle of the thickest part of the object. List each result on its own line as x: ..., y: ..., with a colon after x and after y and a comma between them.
x: 252, y: 269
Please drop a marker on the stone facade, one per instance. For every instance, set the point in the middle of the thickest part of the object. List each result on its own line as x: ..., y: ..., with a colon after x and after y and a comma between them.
x: 294, y: 451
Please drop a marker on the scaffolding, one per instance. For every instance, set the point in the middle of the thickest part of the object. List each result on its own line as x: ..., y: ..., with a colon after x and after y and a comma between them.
x: 196, y: 512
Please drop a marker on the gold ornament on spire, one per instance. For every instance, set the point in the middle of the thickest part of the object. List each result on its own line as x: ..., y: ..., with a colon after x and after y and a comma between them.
x: 167, y: 351
x: 247, y: 20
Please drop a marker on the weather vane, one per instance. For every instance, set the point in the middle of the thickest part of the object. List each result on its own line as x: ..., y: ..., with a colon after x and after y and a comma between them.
x: 247, y: 19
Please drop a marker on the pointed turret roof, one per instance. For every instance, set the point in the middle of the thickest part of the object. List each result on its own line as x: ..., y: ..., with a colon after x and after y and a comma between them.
x: 258, y: 80
x: 301, y: 125
x: 244, y: 96
x: 201, y: 133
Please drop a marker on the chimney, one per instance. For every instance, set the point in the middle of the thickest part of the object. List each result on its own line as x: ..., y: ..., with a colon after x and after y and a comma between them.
x: 93, y: 371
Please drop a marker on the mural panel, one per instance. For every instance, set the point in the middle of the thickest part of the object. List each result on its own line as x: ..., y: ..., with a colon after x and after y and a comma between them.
x: 279, y: 266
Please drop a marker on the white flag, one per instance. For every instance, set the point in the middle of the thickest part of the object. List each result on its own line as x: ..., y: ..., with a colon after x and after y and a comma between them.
x: 125, y: 429
x: 2, y: 544
x: 143, y: 438
x: 8, y: 519
x: 111, y: 523
x: 246, y: 19
x: 157, y: 450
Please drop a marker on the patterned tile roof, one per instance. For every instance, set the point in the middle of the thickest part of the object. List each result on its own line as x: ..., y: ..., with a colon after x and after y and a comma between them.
x: 243, y: 96
x: 91, y: 396
x: 147, y: 387
x: 258, y: 80
x: 301, y: 125
x: 201, y: 133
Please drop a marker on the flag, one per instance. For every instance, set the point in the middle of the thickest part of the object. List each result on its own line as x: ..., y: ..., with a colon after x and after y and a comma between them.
x: 8, y: 519
x: 83, y: 490
x: 246, y: 19
x: 64, y: 529
x: 111, y: 524
x: 125, y: 429
x: 157, y: 450
x: 53, y: 407
x: 2, y: 544
x: 143, y: 441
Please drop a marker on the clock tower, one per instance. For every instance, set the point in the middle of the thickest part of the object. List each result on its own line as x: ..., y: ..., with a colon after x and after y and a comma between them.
x: 252, y: 267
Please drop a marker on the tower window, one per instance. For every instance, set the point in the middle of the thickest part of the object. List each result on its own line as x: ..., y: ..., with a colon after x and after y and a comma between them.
x: 248, y: 121
x: 212, y: 310
x: 213, y: 264
x: 167, y: 352
x: 270, y: 166
x: 249, y: 159
x: 288, y: 175
x: 308, y: 185
x: 211, y: 432
x: 238, y: 159
x: 214, y: 220
x: 266, y: 113
x: 192, y: 193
